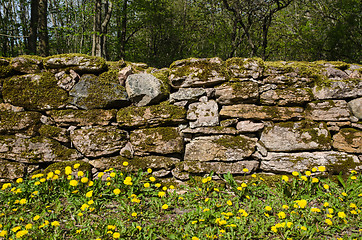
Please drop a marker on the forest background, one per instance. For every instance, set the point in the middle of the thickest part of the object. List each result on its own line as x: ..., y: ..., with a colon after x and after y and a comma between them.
x: 158, y: 32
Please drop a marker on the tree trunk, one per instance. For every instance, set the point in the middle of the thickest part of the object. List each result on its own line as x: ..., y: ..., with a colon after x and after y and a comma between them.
x: 122, y: 37
x: 33, y: 30
x: 43, y: 28
x: 96, y: 46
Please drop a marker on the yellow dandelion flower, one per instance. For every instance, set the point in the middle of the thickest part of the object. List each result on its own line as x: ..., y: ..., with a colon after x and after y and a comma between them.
x: 281, y: 215
x: 128, y: 181
x: 125, y: 164
x: 245, y: 170
x: 100, y: 175
x: 28, y: 226
x: 302, y: 203
x: 268, y: 208
x: 149, y: 170
x: 341, y: 214
x: 55, y: 223
x: 328, y: 221
x: 80, y: 173
x: 172, y: 187
x: 68, y: 170
x: 330, y: 210
x: 116, y: 191
x: 303, y: 228
x: 285, y: 178
x: 15, y: 229
x: 84, y: 179
x: 165, y: 206
x: 314, y: 209
x: 344, y: 194
x: 158, y: 185
x: 78, y: 231
x: 90, y: 183
x: 206, y: 210
x: 314, y: 169
x: 57, y: 172
x: 152, y: 179
x: 84, y: 207
x: 76, y: 166
x: 308, y: 173
x: 55, y: 177
x: 89, y: 194
x: 289, y: 224
x: 36, y: 218
x: 69, y: 177
x: 321, y: 168
x: 21, y: 233
x: 315, y: 180
x: 353, y: 177
x: 295, y: 174
x: 195, y: 238
x: 326, y: 186
x: 352, y: 205
x: 90, y: 202
x: 326, y: 204
x: 80, y: 214
x: 216, y: 190
x: 164, y: 188
x: 229, y: 203
x: 161, y: 194
x: 253, y: 175
x: 353, y: 212
x: 285, y: 207
x: 139, y: 228
x: 22, y: 201
x: 111, y: 227
x: 112, y: 174
x: 19, y: 180
x: 3, y: 233
x: 274, y: 229
x: 134, y: 214
x: 73, y: 183
x: 304, y: 178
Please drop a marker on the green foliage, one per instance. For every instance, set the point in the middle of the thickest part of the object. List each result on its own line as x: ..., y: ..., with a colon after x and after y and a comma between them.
x: 66, y: 203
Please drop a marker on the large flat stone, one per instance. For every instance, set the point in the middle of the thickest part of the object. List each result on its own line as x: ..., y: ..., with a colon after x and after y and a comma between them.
x: 302, y: 161
x: 10, y: 171
x: 288, y: 96
x: 151, y: 116
x: 187, y: 94
x: 246, y: 67
x: 34, y: 92
x: 99, y: 141
x: 348, y: 140
x: 90, y: 117
x: 161, y: 140
x: 203, y: 114
x: 78, y: 62
x: 356, y: 107
x: 331, y: 110
x: 193, y: 72
x: 296, y: 136
x: 35, y: 150
x: 237, y: 92
x: 15, y: 122
x: 219, y: 148
x: 250, y: 111
x: 342, y: 89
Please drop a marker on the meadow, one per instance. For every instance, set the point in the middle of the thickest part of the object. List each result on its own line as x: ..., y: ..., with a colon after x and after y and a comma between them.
x: 66, y: 204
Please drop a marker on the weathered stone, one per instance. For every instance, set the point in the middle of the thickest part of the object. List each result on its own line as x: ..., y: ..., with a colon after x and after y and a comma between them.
x: 10, y: 171
x: 123, y: 74
x: 155, y: 115
x: 187, y: 94
x: 127, y: 151
x: 249, y: 111
x: 78, y: 62
x: 203, y: 114
x: 11, y: 108
x: 163, y: 140
x: 220, y: 147
x: 246, y: 67
x: 84, y: 166
x: 134, y: 164
x: 145, y: 89
x: 197, y: 167
x: 288, y: 96
x: 348, y: 140
x: 67, y: 81
x: 335, y: 162
x: 27, y: 64
x: 331, y: 110
x: 5, y: 68
x: 91, y: 117
x: 192, y: 72
x: 336, y: 74
x: 14, y: 122
x: 249, y: 126
x: 349, y: 88
x: 99, y: 141
x: 34, y: 92
x: 35, y: 150
x: 56, y: 133
x: 237, y: 92
x: 356, y: 107
x: 210, y: 130
x: 99, y: 92
x: 229, y: 122
x: 293, y: 136
x: 335, y: 126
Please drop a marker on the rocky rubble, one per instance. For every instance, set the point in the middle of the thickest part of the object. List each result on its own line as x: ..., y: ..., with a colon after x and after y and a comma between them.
x: 198, y: 116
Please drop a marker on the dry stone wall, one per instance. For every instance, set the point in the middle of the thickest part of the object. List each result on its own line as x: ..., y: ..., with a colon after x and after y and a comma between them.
x: 197, y: 116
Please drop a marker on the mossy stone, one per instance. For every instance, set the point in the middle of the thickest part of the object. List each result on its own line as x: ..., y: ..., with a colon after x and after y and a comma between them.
x: 34, y: 92
x: 14, y: 122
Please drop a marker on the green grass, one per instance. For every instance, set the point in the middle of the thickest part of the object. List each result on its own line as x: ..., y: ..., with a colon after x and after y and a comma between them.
x: 138, y: 206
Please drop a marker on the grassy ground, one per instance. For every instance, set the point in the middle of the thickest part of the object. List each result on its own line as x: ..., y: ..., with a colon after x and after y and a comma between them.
x: 65, y: 204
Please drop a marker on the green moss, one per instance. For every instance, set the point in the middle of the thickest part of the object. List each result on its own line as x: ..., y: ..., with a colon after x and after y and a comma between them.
x: 34, y: 92
x: 17, y: 121
x: 336, y: 64
x: 343, y: 165
x: 235, y: 142
x: 93, y: 116
x: 349, y: 134
x: 50, y: 131
x: 116, y: 65
x: 98, y: 62
x: 188, y: 67
x: 244, y: 62
x: 128, y: 116
x: 149, y: 135
x: 163, y: 76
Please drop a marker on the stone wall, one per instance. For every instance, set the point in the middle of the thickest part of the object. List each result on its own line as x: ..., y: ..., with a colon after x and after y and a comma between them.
x: 197, y: 116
